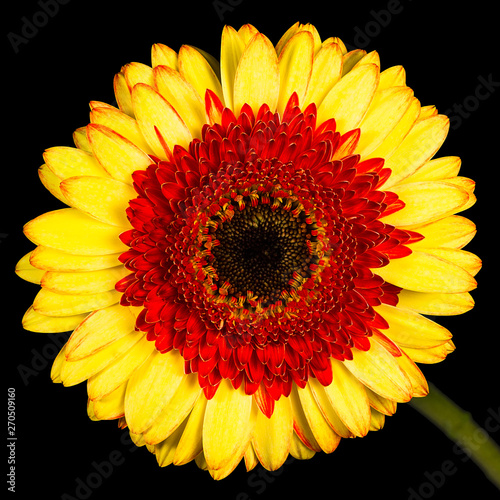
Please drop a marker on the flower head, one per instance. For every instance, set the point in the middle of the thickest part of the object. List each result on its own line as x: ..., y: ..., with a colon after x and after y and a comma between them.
x: 250, y: 249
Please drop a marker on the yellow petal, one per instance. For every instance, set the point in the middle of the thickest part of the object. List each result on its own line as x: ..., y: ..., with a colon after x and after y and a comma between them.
x: 122, y: 124
x: 257, y: 79
x: 104, y: 199
x: 326, y: 72
x: 196, y: 70
x: 436, y: 304
x: 227, y: 426
x: 80, y: 139
x: 55, y: 372
x: 111, y: 406
x: 325, y: 436
x: 175, y: 411
x: 466, y: 260
x: 122, y: 94
x: 327, y: 410
x: 251, y: 460
x: 286, y: 36
x: 423, y: 272
x: 300, y: 423
x: 430, y: 355
x: 36, y: 322
x: 295, y: 67
x: 417, y: 379
x: 159, y: 122
x: 151, y: 387
x: 56, y: 260
x: 26, y: 271
x: 165, y: 451
x: 120, y: 369
x: 380, y: 372
x: 99, y: 330
x: 350, y: 59
x: 74, y: 372
x: 381, y: 404
x: 272, y: 436
x: 162, y: 55
x: 71, y: 231
x: 386, y: 111
x: 67, y: 162
x: 372, y: 57
x: 89, y: 282
x: 137, y: 73
x: 454, y: 231
x: 410, y: 329
x: 377, y: 420
x: 426, y: 202
x: 232, y: 48
x: 183, y: 97
x: 436, y: 170
x: 51, y: 182
x: 55, y: 304
x: 190, y: 444
x: 427, y: 112
x: 421, y: 144
x: 394, y: 76
x: 347, y: 396
x: 350, y: 98
x: 299, y: 450
x: 117, y: 155
x: 398, y: 133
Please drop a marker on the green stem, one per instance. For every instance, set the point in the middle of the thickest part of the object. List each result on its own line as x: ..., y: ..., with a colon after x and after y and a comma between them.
x: 458, y: 425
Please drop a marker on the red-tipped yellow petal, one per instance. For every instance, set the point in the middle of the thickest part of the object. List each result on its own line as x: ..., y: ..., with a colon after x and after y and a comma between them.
x: 383, y: 405
x: 119, y: 370
x: 423, y: 272
x: 175, y: 411
x: 159, y: 122
x: 350, y: 98
x: 122, y: 94
x: 227, y: 426
x: 436, y: 170
x: 299, y: 450
x: 162, y: 55
x: 394, y: 76
x: 165, y: 451
x: 183, y: 97
x: 295, y: 67
x: 454, y: 231
x: 420, y: 145
x: 36, y: 322
x: 51, y: 182
x: 257, y: 79
x: 117, y: 155
x: 26, y: 270
x: 380, y: 372
x: 436, y: 304
x: 426, y: 202
x: 56, y: 304
x: 83, y: 283
x: 104, y: 199
x: 386, y: 111
x: 409, y: 329
x: 74, y: 372
x: 67, y: 162
x: 232, y: 47
x: 377, y: 420
x: 121, y: 123
x: 466, y: 260
x: 326, y: 72
x: 98, y: 330
x: 51, y: 259
x: 347, y: 396
x: 71, y: 231
x: 431, y: 355
x: 111, y: 406
x: 190, y: 444
x: 272, y: 436
x: 151, y: 387
x: 196, y: 70
x: 417, y: 379
x: 324, y: 435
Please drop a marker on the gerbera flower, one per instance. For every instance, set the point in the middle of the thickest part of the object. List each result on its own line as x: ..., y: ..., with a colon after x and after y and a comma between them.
x: 250, y: 248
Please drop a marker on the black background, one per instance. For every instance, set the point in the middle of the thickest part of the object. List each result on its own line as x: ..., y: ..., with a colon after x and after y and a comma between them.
x: 70, y: 60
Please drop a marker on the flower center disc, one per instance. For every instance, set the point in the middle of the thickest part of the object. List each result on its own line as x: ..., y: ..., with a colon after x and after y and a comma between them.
x: 252, y: 251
